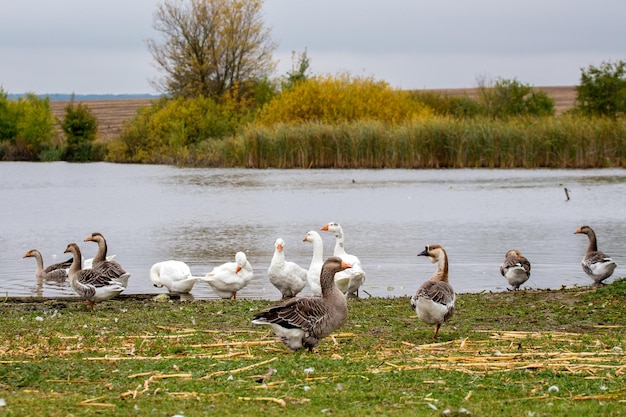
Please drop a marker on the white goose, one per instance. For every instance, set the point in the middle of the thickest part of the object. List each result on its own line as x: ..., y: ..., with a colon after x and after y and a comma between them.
x: 355, y: 275
x: 597, y: 265
x: 515, y: 268
x: 173, y: 275
x: 301, y: 322
x: 315, y: 268
x: 54, y: 272
x: 230, y: 277
x: 435, y: 299
x: 91, y: 285
x: 110, y: 268
x: 288, y: 277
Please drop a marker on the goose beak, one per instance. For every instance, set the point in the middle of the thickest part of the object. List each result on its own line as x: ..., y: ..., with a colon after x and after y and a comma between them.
x: 88, y: 239
x: 345, y: 265
x: 238, y: 269
x: 280, y: 248
x: 324, y: 228
x: 423, y: 253
x: 577, y: 231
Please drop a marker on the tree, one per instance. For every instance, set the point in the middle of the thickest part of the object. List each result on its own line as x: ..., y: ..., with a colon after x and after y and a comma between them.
x: 80, y: 127
x: 210, y: 46
x: 299, y: 69
x: 602, y: 90
x: 506, y: 98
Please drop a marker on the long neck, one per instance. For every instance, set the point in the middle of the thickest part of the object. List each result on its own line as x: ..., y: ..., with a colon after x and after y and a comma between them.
x: 76, y: 264
x: 593, y: 242
x: 339, y: 243
x: 441, y: 274
x: 39, y: 259
x: 327, y: 282
x: 102, y: 252
x: 318, y: 251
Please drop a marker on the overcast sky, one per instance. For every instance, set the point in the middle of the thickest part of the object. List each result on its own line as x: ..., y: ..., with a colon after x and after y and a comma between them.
x: 98, y: 46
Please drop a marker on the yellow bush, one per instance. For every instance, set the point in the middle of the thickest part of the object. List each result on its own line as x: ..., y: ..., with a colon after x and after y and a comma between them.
x: 329, y: 99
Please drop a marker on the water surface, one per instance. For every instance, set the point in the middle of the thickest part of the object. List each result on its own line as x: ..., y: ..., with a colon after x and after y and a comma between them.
x: 153, y: 213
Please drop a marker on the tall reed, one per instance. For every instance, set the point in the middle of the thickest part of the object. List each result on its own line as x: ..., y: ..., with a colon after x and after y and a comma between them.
x: 436, y: 142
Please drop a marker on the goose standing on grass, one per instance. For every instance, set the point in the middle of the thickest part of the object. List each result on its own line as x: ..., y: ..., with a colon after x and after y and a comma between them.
x: 288, y: 277
x: 434, y: 300
x: 301, y: 322
x: 111, y: 268
x: 597, y: 265
x: 90, y: 285
x: 54, y: 272
x: 230, y: 277
x: 355, y: 275
x: 173, y: 275
x: 515, y: 268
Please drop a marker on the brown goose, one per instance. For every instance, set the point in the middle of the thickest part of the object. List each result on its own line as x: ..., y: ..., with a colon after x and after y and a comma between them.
x: 90, y: 284
x: 54, y: 272
x: 301, y: 322
x: 515, y: 268
x: 100, y: 263
x: 434, y: 300
x: 597, y: 265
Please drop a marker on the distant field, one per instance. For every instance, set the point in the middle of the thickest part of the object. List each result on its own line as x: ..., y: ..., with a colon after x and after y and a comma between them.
x: 112, y: 114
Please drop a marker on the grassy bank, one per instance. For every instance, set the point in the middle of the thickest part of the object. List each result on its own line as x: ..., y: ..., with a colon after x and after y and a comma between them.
x: 540, y: 353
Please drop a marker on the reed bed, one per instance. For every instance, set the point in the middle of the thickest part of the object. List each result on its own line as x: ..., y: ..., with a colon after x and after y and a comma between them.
x: 432, y: 142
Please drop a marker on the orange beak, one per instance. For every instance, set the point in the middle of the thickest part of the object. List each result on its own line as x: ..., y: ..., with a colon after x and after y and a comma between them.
x: 280, y: 248
x: 345, y: 265
x: 238, y: 269
x: 324, y: 228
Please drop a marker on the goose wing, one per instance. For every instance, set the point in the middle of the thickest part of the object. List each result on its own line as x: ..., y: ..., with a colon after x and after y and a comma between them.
x: 437, y: 291
x: 300, y: 312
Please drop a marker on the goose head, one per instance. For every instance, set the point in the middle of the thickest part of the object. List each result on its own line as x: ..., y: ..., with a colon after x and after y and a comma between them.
x: 240, y: 260
x: 585, y: 230
x: 279, y: 244
x: 331, y: 227
x: 312, y: 236
x: 434, y: 252
x: 513, y: 253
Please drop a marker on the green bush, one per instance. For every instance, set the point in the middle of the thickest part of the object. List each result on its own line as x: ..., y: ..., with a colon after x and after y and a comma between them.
x: 602, y: 90
x: 508, y: 98
x: 26, y: 127
x: 166, y: 131
x: 80, y: 127
x: 449, y: 105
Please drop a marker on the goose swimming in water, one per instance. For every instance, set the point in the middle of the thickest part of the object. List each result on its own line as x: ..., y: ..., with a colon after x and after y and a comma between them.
x: 301, y: 322
x: 54, y: 272
x: 435, y: 299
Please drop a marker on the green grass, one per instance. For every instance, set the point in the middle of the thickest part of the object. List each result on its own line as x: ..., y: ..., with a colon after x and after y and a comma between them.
x: 499, y: 355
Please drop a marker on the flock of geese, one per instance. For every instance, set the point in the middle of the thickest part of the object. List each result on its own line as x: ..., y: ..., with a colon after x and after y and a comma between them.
x: 299, y: 321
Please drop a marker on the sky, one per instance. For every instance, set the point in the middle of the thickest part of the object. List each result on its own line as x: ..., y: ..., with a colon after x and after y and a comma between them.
x: 99, y: 46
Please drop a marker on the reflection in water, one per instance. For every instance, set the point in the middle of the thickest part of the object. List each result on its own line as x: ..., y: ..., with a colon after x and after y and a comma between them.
x: 203, y: 216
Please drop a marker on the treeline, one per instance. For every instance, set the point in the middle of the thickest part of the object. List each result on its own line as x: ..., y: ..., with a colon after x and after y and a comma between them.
x: 342, y: 122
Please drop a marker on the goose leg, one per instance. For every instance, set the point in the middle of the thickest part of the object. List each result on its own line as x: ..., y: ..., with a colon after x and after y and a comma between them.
x: 437, y: 331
